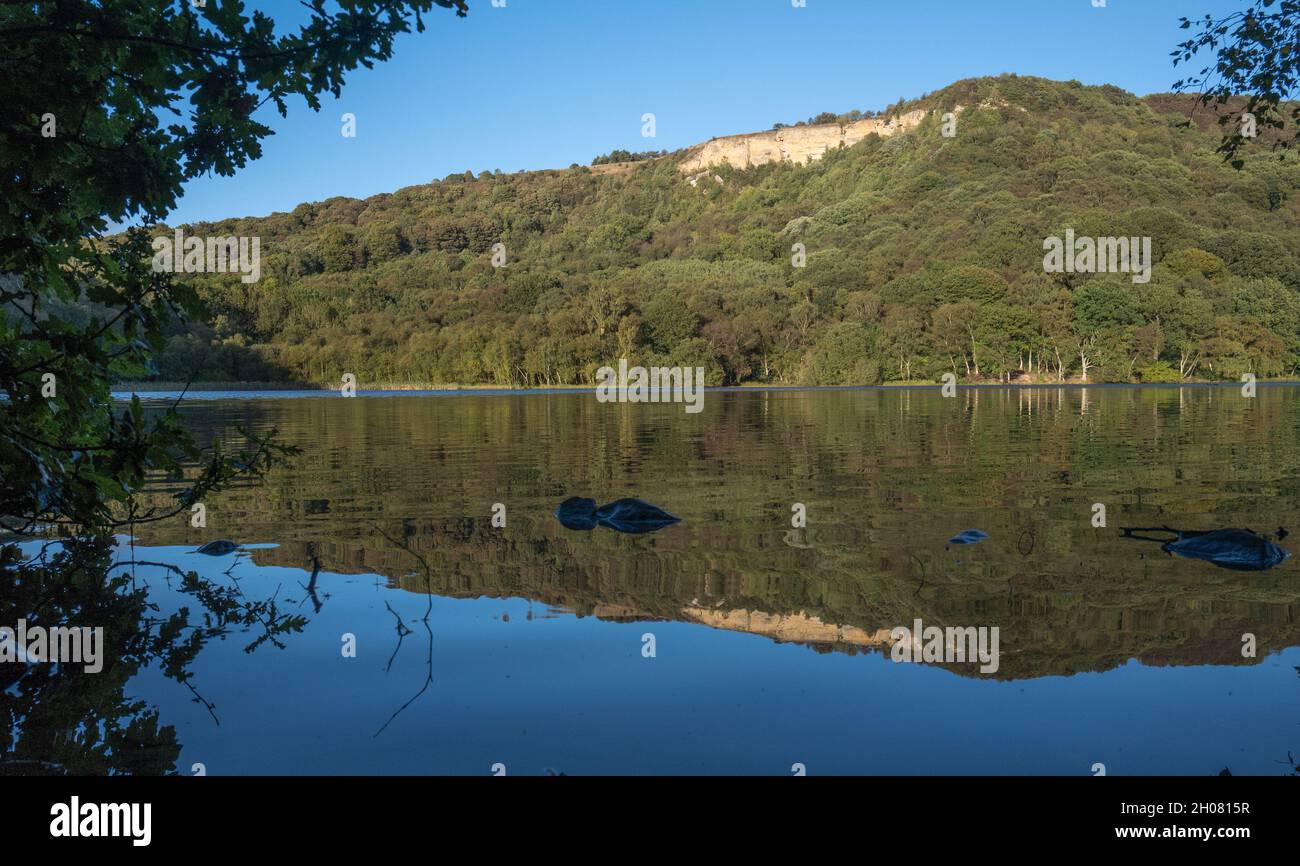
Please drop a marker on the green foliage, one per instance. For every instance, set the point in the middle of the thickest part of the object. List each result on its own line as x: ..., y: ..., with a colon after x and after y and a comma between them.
x: 63, y: 720
x: 627, y: 156
x: 829, y: 117
x: 974, y: 283
x: 1158, y: 372
x: 930, y: 246
x: 669, y: 322
x: 110, y: 107
x: 383, y: 242
x: 843, y: 357
x: 338, y: 250
x: 1257, y: 53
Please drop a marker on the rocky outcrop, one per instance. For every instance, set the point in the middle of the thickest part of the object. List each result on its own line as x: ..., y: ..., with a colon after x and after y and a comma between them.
x: 696, y: 179
x: 792, y: 627
x: 798, y: 144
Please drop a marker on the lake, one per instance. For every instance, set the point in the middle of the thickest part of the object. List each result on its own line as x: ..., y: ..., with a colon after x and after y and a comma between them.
x: 435, y: 640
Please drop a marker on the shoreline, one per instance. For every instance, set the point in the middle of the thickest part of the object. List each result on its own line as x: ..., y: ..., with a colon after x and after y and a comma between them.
x: 216, y: 390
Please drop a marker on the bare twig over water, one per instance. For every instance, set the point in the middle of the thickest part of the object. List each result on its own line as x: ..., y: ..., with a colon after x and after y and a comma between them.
x: 428, y: 591
x: 310, y: 588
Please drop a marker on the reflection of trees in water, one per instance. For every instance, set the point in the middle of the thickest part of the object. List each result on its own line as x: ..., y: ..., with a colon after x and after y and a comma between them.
x: 59, y: 719
x: 888, y: 478
x: 1092, y: 612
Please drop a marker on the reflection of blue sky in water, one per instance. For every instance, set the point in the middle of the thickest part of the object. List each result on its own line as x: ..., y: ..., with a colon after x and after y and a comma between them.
x: 887, y: 478
x: 575, y: 695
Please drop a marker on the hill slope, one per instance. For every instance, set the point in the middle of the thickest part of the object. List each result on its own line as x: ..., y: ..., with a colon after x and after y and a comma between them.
x: 924, y: 254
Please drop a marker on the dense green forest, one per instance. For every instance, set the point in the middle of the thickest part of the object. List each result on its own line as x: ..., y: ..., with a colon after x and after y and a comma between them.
x: 924, y: 254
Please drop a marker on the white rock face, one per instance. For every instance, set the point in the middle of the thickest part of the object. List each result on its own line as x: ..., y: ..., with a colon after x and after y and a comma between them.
x: 796, y: 627
x: 798, y: 144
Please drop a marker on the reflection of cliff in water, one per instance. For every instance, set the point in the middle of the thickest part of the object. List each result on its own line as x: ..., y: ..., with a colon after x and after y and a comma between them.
x: 887, y: 477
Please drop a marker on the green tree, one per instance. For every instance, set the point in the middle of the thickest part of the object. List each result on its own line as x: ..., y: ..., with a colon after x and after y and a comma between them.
x: 971, y: 282
x: 481, y: 233
x: 1102, y: 310
x: 903, y: 337
x: 843, y: 356
x: 669, y: 322
x: 383, y: 242
x: 448, y: 236
x: 338, y: 249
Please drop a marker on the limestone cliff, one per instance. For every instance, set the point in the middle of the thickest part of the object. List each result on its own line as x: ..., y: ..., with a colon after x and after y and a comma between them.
x: 792, y: 627
x: 798, y: 144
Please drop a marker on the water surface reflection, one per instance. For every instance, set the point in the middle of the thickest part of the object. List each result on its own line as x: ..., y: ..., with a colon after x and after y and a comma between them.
x: 1112, y: 650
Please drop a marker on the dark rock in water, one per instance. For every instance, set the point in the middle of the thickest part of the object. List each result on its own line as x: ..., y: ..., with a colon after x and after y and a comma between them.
x: 634, y: 515
x: 623, y: 515
x: 220, y: 547
x: 577, y: 513
x: 970, y: 536
x: 1237, y: 549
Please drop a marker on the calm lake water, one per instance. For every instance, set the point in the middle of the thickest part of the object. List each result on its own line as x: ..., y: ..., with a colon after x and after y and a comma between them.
x: 772, y: 646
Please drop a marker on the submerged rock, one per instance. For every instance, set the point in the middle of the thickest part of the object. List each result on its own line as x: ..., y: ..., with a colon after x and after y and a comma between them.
x: 622, y: 515
x: 970, y: 536
x: 577, y: 513
x: 634, y: 515
x: 1237, y: 549
x: 220, y: 547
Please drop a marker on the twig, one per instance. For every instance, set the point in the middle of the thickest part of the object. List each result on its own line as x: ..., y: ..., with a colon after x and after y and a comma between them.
x: 428, y: 585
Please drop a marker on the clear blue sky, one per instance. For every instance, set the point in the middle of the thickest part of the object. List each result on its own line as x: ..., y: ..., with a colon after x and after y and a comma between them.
x: 546, y: 83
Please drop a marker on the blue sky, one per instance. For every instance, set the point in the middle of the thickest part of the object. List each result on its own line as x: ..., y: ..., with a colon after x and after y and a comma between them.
x: 546, y: 83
